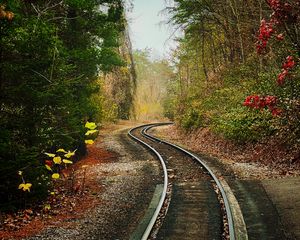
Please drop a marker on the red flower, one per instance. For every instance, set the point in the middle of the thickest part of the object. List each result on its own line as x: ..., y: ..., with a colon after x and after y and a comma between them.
x: 49, y: 163
x: 276, y: 111
x: 270, y: 100
x: 274, y: 4
x: 265, y: 33
x: 290, y: 63
x: 248, y: 101
x: 260, y: 102
x: 281, y: 77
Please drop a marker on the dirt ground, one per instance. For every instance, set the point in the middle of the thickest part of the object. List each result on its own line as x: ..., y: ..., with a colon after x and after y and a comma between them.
x: 266, y: 180
x: 251, y: 161
x: 117, y: 173
x: 112, y: 188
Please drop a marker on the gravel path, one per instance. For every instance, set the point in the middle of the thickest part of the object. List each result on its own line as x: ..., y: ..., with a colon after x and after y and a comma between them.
x: 128, y: 186
x: 268, y: 199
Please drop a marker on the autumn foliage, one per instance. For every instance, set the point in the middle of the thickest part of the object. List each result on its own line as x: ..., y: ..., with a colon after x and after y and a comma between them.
x: 267, y: 102
x: 237, y: 69
x: 285, y: 17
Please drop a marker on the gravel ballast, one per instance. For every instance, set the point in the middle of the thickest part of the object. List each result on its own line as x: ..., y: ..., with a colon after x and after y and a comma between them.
x: 128, y: 183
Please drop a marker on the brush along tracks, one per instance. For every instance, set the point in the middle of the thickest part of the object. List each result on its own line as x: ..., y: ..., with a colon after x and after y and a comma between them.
x: 193, y: 203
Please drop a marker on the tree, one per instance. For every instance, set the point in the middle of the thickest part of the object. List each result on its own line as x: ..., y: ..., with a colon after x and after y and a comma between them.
x: 152, y: 77
x: 283, y: 27
x: 51, y: 54
x: 217, y: 67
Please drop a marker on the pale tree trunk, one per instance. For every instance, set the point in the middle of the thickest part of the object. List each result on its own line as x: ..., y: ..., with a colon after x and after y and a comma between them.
x: 203, y: 54
x: 233, y: 6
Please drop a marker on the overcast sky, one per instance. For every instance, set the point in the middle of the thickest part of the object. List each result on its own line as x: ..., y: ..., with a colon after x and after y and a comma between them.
x: 146, y: 30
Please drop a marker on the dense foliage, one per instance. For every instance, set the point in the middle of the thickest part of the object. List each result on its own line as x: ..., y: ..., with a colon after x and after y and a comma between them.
x: 120, y: 85
x: 152, y: 78
x: 228, y: 68
x: 51, y: 53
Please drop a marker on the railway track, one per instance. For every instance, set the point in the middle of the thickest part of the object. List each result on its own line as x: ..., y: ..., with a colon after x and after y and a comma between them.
x: 193, y: 203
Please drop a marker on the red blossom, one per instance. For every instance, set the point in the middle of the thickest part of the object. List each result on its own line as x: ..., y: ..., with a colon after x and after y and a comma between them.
x: 286, y: 67
x: 261, y: 102
x: 265, y: 33
x: 281, y: 77
x: 49, y: 163
x: 290, y: 63
x: 276, y: 112
x: 270, y: 100
x: 282, y: 12
x: 274, y: 4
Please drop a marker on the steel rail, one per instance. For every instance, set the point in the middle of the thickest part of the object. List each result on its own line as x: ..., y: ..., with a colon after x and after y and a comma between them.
x: 165, y: 185
x: 223, y: 193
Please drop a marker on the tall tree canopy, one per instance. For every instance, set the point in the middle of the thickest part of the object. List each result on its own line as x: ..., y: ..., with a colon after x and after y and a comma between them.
x: 51, y: 54
x: 152, y: 78
x: 235, y: 50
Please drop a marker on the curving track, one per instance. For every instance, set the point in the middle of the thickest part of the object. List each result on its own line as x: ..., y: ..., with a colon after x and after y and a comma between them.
x: 196, y: 205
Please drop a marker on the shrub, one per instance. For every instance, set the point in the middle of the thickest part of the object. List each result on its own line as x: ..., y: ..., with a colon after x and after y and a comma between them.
x: 243, y: 125
x: 192, y: 118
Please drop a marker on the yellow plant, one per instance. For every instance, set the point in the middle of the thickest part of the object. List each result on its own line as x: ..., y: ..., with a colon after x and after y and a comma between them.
x: 55, y: 176
x: 92, y: 129
x: 57, y: 160
x: 50, y: 154
x: 89, y: 132
x: 90, y: 125
x: 61, y: 150
x: 67, y: 161
x: 24, y: 186
x: 89, y: 142
x: 48, y: 167
x: 47, y: 207
x: 70, y: 154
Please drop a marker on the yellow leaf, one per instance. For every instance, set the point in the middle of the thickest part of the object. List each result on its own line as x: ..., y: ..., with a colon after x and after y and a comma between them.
x: 50, y: 154
x: 48, y: 167
x: 25, y: 186
x: 90, y: 132
x: 57, y: 160
x: 20, y: 173
x: 67, y: 161
x: 61, y: 150
x: 52, y: 193
x: 89, y: 141
x: 70, y: 154
x: 90, y: 125
x: 55, y: 176
x: 47, y: 207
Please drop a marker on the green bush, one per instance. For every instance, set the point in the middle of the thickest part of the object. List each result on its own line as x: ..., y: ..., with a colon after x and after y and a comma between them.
x: 26, y: 159
x: 169, y: 108
x: 49, y: 66
x: 191, y: 119
x: 241, y: 124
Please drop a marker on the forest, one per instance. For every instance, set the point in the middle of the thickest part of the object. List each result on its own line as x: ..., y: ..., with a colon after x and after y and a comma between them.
x: 66, y: 64
x: 237, y: 69
x: 56, y: 57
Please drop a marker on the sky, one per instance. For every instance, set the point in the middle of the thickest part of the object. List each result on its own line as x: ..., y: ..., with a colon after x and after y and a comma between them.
x: 146, y: 30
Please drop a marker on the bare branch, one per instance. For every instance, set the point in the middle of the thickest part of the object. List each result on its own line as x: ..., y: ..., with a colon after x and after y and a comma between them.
x: 41, y: 75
